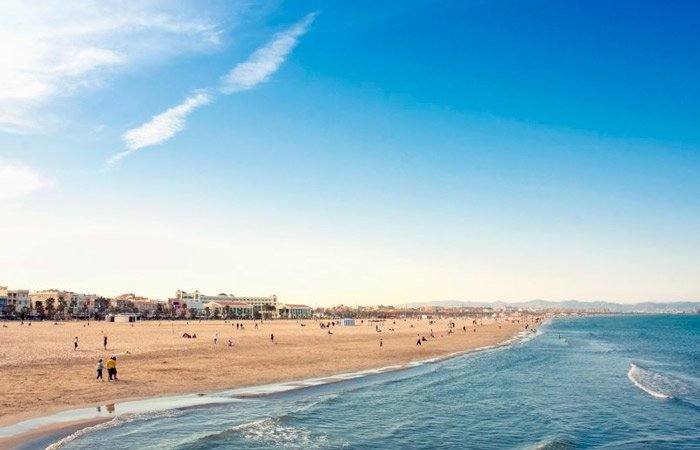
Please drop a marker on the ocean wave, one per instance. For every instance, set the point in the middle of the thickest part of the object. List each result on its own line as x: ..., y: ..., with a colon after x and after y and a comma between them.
x: 552, y: 444
x: 268, y: 431
x: 653, y: 442
x: 115, y: 422
x: 659, y: 385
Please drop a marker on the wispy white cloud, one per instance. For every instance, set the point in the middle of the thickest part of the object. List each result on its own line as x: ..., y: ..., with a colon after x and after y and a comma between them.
x: 266, y: 60
x: 18, y: 180
x: 52, y: 48
x: 259, y: 67
x: 161, y: 127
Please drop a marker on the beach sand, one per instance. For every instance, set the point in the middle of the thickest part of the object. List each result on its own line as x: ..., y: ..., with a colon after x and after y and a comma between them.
x: 42, y: 373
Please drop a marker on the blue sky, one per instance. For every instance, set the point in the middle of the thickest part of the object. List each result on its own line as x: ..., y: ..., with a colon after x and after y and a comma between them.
x: 356, y: 152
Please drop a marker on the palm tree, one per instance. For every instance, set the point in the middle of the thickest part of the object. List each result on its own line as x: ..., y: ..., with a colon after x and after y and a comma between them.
x: 39, y: 306
x: 159, y: 310
x: 61, y: 305
x: 9, y: 309
x: 50, y: 307
x: 101, y: 304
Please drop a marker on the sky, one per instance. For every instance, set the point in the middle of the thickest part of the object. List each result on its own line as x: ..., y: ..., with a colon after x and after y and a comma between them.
x: 352, y: 152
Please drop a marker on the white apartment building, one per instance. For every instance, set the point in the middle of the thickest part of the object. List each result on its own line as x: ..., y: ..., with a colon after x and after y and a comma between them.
x: 293, y: 311
x: 263, y: 306
x: 18, y: 297
x: 14, y: 298
x: 73, y: 300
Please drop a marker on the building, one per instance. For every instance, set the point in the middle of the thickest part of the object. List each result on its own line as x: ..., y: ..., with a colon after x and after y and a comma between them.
x: 264, y: 307
x: 3, y: 298
x: 133, y: 301
x: 123, y: 317
x: 229, y: 308
x: 48, y: 296
x: 18, y: 298
x: 291, y: 311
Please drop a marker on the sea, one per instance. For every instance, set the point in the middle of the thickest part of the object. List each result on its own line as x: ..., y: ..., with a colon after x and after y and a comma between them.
x: 613, y: 382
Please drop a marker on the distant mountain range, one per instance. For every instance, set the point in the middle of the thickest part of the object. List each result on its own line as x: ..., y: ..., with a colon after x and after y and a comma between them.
x: 645, y: 307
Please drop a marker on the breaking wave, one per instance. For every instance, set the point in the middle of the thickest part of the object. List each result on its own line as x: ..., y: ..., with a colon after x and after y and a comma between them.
x: 268, y: 431
x: 115, y: 422
x: 656, y: 384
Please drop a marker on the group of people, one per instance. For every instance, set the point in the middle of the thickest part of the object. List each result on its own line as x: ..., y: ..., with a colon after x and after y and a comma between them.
x: 111, y: 369
x: 111, y: 364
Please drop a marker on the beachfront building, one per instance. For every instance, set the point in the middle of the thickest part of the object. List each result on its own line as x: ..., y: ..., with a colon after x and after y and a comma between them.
x: 135, y: 302
x: 123, y: 317
x: 40, y: 300
x: 292, y: 311
x: 3, y: 298
x: 17, y: 298
x: 229, y: 308
x: 263, y: 307
x: 61, y: 301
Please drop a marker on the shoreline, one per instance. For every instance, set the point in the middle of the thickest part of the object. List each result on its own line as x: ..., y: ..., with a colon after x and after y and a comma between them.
x: 58, y: 425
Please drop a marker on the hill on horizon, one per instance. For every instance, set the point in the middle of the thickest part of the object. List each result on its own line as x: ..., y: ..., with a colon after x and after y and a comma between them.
x: 644, y: 307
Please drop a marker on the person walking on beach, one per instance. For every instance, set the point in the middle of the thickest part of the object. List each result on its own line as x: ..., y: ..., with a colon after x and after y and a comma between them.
x: 216, y: 338
x: 112, y: 368
x: 104, y: 341
x: 272, y: 338
x: 75, y: 343
x: 100, y: 368
x: 381, y: 343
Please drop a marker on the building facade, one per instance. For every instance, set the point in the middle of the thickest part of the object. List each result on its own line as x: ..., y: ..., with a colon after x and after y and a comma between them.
x: 292, y: 311
x: 19, y: 298
x: 263, y: 307
x: 227, y: 308
x: 3, y: 298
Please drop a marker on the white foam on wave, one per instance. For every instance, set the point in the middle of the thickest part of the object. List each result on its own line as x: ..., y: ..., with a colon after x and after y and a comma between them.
x: 645, y: 380
x: 271, y: 431
x: 115, y: 422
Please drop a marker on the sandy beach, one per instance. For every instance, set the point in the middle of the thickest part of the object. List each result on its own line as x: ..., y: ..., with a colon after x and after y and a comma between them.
x: 42, y: 373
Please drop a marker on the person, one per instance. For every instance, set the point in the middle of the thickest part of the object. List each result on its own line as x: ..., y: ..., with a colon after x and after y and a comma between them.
x: 418, y: 343
x: 216, y: 338
x: 112, y: 368
x: 104, y: 341
x: 230, y: 344
x: 381, y: 343
x: 75, y: 343
x: 100, y: 368
x: 272, y: 338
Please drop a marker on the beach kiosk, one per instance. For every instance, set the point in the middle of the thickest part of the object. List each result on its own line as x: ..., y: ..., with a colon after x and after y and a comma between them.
x: 123, y: 317
x: 347, y: 322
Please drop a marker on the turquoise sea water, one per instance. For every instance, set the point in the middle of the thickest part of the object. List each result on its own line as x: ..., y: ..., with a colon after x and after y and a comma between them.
x: 600, y: 382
